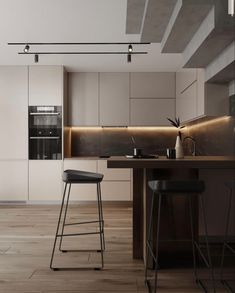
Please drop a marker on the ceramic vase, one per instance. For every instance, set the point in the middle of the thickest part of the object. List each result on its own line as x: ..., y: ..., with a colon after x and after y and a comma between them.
x: 179, y: 152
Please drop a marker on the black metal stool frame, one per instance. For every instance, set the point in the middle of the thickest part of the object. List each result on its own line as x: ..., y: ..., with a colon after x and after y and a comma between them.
x: 100, y: 232
x: 225, y: 243
x: 195, y: 245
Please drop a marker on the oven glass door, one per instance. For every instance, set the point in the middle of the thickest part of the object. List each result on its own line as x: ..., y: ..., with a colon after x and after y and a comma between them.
x: 45, y: 148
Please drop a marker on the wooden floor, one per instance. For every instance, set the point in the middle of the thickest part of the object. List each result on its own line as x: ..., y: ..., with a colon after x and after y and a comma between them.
x: 26, y: 238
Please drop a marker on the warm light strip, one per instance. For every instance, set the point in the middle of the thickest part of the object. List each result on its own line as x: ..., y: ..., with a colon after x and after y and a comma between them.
x: 152, y: 128
x: 223, y: 119
x: 142, y: 128
x: 231, y: 7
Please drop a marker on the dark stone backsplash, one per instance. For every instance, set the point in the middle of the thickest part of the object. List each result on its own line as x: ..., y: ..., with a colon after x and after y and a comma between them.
x: 116, y: 142
x: 216, y: 137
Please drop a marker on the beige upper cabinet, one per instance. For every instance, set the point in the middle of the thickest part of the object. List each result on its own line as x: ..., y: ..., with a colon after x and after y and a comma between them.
x: 152, y: 98
x: 152, y: 85
x: 114, y: 99
x: 45, y: 85
x: 184, y: 79
x: 14, y: 112
x: 198, y: 99
x: 83, y: 99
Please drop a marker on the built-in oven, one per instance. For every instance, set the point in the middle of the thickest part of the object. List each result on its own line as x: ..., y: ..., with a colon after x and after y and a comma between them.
x: 45, y: 132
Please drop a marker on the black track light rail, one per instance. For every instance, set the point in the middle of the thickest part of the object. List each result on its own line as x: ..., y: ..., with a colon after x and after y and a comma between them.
x: 81, y: 53
x: 102, y: 43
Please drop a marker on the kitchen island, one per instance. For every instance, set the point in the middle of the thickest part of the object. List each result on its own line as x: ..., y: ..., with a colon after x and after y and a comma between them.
x: 214, y: 170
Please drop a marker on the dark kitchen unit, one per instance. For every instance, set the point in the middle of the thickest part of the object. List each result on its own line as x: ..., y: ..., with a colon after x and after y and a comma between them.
x: 45, y: 132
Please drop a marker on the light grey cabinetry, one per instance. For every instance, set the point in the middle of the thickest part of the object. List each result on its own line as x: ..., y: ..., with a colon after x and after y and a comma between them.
x: 14, y: 133
x: 151, y: 112
x: 45, y: 85
x: 152, y: 85
x: 14, y: 112
x: 195, y: 98
x: 114, y: 99
x: 152, y: 98
x: 83, y: 99
x: 45, y: 180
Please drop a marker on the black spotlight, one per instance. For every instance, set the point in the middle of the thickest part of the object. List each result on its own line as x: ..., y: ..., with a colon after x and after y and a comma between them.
x: 26, y: 48
x: 130, y: 48
x: 129, y: 58
x: 36, y: 58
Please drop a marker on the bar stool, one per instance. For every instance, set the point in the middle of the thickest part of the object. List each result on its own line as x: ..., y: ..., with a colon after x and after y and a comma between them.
x: 79, y: 177
x: 188, y: 188
x: 231, y: 187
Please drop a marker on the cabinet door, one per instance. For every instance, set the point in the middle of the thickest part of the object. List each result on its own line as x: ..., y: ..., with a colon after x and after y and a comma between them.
x: 151, y: 112
x: 184, y: 79
x: 83, y: 99
x: 13, y: 180
x: 113, y: 174
x: 45, y: 180
x: 186, y: 103
x: 114, y: 99
x: 152, y: 85
x: 81, y: 192
x: 116, y: 190
x: 45, y: 85
x: 14, y: 112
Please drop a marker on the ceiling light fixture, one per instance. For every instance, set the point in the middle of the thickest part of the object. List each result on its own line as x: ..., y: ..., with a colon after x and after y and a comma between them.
x: 36, y: 58
x: 36, y: 54
x: 84, y: 53
x: 231, y: 7
x: 130, y: 51
x: 70, y: 43
x: 26, y: 48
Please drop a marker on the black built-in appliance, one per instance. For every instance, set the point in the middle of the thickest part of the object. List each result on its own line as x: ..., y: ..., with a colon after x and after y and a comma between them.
x: 45, y: 132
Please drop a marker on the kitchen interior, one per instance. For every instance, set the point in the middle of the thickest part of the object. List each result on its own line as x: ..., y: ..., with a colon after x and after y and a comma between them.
x: 132, y: 92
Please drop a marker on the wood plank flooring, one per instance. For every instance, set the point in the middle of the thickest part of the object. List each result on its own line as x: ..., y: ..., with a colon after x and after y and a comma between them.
x: 26, y: 239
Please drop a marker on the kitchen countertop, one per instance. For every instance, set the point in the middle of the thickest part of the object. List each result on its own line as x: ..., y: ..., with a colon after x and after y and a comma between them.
x: 197, y: 162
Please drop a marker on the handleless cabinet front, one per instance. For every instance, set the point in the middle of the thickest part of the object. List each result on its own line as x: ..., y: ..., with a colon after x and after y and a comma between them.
x: 114, y: 99
x: 14, y: 112
x: 45, y: 180
x: 45, y: 85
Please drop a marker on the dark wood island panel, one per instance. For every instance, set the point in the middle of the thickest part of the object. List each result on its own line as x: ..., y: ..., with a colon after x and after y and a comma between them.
x: 162, y: 168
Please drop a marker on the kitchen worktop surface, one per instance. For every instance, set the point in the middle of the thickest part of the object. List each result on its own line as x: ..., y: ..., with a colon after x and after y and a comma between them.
x: 163, y: 162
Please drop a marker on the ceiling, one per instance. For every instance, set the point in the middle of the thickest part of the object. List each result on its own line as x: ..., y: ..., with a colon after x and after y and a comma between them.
x: 76, y: 21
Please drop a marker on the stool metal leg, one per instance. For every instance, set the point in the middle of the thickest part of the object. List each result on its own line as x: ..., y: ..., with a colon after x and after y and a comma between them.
x: 100, y: 226
x: 147, y: 254
x: 225, y: 245
x: 101, y: 213
x: 57, y: 229
x: 149, y: 249
x: 157, y: 241
x: 207, y: 247
x: 193, y: 238
x: 64, y: 219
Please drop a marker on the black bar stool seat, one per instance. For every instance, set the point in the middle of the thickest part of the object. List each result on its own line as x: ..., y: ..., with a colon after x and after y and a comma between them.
x: 70, y: 177
x: 170, y: 186
x: 188, y: 188
x: 77, y: 176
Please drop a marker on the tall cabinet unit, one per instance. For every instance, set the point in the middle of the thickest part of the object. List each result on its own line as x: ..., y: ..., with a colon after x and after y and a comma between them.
x: 14, y: 133
x: 46, y: 87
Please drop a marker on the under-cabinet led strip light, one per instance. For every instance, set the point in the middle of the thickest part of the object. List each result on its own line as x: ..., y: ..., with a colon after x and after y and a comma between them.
x: 231, y: 7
